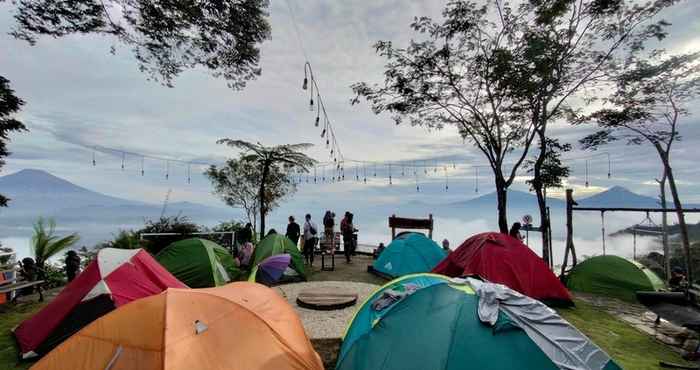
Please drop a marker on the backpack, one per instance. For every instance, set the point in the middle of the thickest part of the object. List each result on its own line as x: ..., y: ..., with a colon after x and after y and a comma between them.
x: 312, y: 229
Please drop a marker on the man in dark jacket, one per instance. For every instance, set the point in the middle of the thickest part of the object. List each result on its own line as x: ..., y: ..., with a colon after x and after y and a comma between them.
x: 293, y: 230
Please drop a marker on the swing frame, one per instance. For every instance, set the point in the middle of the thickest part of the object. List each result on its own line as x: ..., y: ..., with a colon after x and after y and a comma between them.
x: 572, y: 206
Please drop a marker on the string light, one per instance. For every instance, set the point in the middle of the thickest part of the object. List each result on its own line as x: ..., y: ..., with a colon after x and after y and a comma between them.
x: 123, y: 159
x: 143, y: 159
x: 94, y: 162
x: 390, y: 180
x: 189, y: 177
x: 587, y: 173
x: 167, y: 169
x: 447, y: 180
x: 476, y: 180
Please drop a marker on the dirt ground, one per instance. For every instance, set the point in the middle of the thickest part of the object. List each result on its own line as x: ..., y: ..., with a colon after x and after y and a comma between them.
x: 355, y: 271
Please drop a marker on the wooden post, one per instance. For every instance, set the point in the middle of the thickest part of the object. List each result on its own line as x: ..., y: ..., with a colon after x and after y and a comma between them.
x: 569, y: 230
x: 393, y: 229
x: 430, y: 231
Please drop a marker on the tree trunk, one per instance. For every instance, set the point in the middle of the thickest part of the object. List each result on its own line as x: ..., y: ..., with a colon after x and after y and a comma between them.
x: 681, y: 217
x: 502, y: 195
x: 664, y: 227
x: 539, y: 188
x: 266, y: 169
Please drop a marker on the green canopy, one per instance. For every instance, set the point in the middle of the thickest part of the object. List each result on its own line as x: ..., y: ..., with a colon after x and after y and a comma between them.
x: 275, y: 244
x: 199, y: 263
x: 613, y: 276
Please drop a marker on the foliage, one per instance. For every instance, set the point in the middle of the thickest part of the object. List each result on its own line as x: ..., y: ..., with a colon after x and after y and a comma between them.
x: 259, y: 179
x: 125, y: 239
x: 225, y: 226
x: 45, y: 243
x: 460, y: 75
x: 87, y: 255
x: 650, y: 98
x: 180, y: 225
x: 647, y: 107
x: 166, y: 37
x: 500, y: 73
x: 54, y: 275
x: 9, y: 105
x: 553, y: 171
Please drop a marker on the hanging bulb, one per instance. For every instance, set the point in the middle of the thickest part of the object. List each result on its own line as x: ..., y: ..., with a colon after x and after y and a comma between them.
x: 417, y: 188
x: 609, y: 174
x: 305, y: 85
x: 323, y: 133
x: 390, y: 182
x: 317, y: 121
x: 586, y: 183
x: 447, y: 187
x: 327, y: 142
x: 94, y: 163
x: 311, y: 104
x: 142, y: 173
x: 454, y: 165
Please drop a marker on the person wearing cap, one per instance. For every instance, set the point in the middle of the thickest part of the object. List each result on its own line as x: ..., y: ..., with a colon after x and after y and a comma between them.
x: 677, y: 282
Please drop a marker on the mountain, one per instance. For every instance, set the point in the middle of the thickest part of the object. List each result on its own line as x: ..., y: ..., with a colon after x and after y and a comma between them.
x: 30, y: 189
x: 619, y: 197
x: 516, y: 199
x: 36, y: 193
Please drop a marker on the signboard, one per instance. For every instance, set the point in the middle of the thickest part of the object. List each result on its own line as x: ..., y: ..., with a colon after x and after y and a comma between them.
x: 527, y: 220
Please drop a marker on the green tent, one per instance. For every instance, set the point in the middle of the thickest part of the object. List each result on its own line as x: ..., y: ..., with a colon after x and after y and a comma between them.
x: 274, y: 244
x: 427, y: 321
x: 613, y: 276
x: 199, y: 263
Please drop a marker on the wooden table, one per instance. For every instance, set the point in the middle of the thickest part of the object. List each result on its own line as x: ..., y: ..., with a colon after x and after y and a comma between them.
x: 325, y: 299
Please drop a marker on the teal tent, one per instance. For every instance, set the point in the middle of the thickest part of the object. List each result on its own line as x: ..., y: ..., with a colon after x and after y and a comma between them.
x: 409, y: 253
x: 199, y: 263
x: 427, y: 321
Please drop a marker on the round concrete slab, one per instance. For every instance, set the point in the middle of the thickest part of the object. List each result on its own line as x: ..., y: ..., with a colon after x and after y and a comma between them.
x: 326, y: 324
x: 326, y: 299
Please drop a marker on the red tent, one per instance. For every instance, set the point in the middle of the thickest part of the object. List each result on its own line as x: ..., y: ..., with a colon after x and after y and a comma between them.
x: 500, y: 258
x: 114, y: 278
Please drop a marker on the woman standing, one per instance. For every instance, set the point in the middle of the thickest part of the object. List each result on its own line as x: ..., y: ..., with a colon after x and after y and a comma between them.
x: 328, y: 230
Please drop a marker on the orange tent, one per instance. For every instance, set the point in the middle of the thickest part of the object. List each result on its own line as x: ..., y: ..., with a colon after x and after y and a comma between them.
x: 237, y: 326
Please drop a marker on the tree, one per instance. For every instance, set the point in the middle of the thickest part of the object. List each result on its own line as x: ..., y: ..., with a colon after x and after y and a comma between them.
x: 166, y: 37
x: 567, y: 47
x: 461, y: 75
x: 45, y: 242
x: 9, y: 105
x: 238, y: 185
x: 647, y: 107
x: 551, y: 173
x: 259, y: 167
x: 180, y: 225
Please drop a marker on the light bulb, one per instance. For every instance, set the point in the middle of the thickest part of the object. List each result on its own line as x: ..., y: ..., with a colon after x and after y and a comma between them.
x: 316, y: 124
x: 306, y: 84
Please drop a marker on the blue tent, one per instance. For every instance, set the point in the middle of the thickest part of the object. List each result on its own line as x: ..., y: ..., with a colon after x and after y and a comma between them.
x: 409, y: 253
x: 427, y: 321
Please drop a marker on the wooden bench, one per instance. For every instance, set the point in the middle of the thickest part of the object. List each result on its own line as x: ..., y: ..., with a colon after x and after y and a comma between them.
x: 17, y: 285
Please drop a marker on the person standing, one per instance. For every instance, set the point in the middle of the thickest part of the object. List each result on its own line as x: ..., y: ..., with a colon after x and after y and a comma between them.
x: 515, y: 231
x: 72, y: 265
x: 347, y: 229
x: 293, y: 231
x: 245, y: 235
x: 310, y: 239
x: 328, y: 231
x: 446, y: 246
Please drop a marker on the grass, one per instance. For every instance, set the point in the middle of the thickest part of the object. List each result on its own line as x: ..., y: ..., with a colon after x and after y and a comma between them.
x: 11, y: 317
x: 630, y: 348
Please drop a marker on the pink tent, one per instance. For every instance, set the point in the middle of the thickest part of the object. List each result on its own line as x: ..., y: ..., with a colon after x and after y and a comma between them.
x: 114, y: 278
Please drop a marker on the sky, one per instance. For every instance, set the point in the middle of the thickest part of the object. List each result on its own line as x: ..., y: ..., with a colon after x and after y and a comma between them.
x: 78, y: 95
